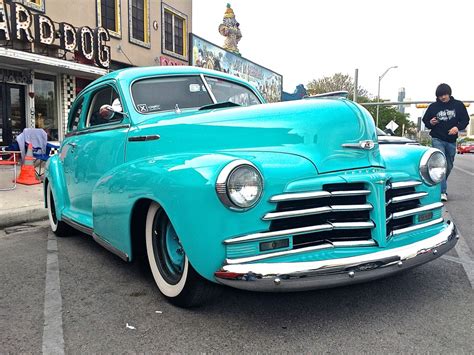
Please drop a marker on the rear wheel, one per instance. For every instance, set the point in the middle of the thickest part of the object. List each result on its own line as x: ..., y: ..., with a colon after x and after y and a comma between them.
x: 59, y: 228
x: 174, y: 275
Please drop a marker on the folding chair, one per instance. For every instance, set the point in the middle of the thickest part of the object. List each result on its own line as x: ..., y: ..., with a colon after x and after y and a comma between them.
x: 10, y: 163
x: 40, y: 159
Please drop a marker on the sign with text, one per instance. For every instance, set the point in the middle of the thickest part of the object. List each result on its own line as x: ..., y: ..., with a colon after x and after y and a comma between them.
x: 18, y: 23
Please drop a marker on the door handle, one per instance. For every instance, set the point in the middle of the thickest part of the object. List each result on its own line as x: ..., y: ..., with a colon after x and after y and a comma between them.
x: 74, y: 145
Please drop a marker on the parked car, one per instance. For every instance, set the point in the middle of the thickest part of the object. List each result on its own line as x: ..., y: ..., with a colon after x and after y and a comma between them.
x: 192, y: 169
x: 465, y: 147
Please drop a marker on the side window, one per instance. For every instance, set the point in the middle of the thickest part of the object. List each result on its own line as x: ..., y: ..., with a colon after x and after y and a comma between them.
x: 76, y: 116
x: 97, y: 115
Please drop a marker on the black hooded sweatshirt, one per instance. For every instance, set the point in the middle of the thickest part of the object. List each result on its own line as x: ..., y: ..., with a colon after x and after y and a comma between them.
x: 449, y: 114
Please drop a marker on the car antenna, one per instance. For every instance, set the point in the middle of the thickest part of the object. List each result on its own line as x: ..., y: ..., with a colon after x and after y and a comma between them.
x: 177, y: 109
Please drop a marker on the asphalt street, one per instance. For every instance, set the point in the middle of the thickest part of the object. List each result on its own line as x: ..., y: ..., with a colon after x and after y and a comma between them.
x: 107, y: 305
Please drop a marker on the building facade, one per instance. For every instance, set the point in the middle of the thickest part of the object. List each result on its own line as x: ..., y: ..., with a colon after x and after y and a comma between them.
x: 51, y: 49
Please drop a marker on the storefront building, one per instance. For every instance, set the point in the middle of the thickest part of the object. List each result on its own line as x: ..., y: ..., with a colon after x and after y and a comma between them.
x: 51, y: 49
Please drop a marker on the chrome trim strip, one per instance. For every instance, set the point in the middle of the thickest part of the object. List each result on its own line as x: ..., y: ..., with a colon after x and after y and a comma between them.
x: 402, y: 214
x: 404, y: 184
x: 80, y: 227
x: 308, y: 275
x: 367, y: 145
x: 350, y: 193
x: 281, y: 253
x: 301, y: 230
x: 297, y: 213
x: 416, y: 227
x: 110, y: 247
x: 350, y: 208
x: 410, y: 197
x: 151, y: 137
x: 100, y: 128
x: 354, y: 243
x: 352, y: 225
x: 300, y: 196
x: 317, y: 210
x: 282, y: 233
x: 293, y: 196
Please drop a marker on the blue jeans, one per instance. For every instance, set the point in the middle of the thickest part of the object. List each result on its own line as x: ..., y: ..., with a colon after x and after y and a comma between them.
x: 449, y: 151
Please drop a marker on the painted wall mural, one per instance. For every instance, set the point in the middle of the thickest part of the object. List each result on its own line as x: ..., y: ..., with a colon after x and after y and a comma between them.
x: 208, y: 55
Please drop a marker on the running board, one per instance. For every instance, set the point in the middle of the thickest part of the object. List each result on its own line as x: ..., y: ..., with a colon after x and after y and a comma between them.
x: 102, y: 242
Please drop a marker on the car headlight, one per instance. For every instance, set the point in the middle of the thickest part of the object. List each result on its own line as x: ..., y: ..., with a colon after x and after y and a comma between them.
x: 239, y: 185
x: 433, y: 166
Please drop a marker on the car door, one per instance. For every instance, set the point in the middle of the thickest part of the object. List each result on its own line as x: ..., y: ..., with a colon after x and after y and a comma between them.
x: 97, y: 147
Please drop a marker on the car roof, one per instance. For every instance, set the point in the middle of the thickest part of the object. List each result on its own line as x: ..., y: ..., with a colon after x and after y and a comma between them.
x: 129, y: 74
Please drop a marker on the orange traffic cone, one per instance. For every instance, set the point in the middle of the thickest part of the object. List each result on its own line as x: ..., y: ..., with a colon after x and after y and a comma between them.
x: 27, y: 173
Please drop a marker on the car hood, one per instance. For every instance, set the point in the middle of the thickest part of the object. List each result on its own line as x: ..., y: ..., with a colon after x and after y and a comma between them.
x: 395, y: 140
x: 314, y: 129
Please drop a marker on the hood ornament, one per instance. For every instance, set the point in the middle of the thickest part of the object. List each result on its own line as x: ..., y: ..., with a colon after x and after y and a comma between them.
x: 367, y: 145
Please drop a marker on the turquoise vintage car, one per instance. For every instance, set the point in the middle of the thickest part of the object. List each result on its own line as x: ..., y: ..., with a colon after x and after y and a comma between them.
x: 191, y: 169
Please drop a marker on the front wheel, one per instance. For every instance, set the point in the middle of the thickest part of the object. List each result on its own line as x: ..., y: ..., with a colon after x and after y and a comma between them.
x: 59, y: 228
x: 174, y: 275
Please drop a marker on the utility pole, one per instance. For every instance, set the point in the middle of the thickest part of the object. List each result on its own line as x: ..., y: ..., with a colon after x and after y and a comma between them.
x: 378, y: 92
x: 356, y: 84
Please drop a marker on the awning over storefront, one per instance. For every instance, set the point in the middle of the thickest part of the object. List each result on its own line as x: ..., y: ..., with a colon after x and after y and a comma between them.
x: 39, y: 62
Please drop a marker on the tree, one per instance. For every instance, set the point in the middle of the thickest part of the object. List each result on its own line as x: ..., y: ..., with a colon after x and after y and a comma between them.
x: 336, y: 82
x: 341, y: 81
x: 389, y: 113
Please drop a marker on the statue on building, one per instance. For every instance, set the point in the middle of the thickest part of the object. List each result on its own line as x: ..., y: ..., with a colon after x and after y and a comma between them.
x: 229, y: 28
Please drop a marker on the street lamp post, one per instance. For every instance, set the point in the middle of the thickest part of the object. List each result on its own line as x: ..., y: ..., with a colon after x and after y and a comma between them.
x: 378, y: 93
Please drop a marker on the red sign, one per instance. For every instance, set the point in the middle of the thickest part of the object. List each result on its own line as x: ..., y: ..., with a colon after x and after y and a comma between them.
x: 169, y: 62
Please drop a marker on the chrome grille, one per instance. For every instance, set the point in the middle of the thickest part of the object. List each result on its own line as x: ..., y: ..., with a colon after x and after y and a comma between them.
x: 399, y: 198
x: 339, y: 212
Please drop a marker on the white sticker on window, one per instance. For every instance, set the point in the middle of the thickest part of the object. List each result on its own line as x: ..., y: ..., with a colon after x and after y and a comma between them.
x: 142, y: 108
x: 194, y: 87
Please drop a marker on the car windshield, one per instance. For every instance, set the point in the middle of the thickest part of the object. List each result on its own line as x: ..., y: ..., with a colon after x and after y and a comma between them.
x: 181, y: 92
x: 227, y: 91
x: 169, y: 93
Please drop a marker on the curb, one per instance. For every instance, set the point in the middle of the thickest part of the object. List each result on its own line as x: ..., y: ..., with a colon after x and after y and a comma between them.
x: 23, y: 215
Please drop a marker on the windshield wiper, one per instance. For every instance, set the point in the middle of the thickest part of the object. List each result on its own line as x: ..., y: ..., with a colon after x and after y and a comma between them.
x: 218, y: 105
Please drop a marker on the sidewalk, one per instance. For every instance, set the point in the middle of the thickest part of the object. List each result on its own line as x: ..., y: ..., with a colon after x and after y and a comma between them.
x: 21, y: 205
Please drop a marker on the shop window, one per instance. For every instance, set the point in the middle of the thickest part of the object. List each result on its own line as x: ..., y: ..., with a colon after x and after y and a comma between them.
x: 108, y: 16
x: 75, y: 117
x: 174, y: 33
x: 138, y: 13
x: 96, y: 116
x: 46, y: 105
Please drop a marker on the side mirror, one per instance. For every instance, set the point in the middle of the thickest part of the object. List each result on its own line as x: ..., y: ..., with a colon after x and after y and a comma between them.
x: 107, y: 112
x: 388, y: 131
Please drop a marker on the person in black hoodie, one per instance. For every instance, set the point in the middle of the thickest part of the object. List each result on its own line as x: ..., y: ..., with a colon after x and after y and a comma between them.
x: 445, y: 118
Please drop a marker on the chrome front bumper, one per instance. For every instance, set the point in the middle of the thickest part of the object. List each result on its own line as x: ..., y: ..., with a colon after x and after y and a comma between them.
x: 299, y: 276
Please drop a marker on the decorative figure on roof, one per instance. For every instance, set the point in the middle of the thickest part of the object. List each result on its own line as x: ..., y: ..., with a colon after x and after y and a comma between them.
x: 229, y: 28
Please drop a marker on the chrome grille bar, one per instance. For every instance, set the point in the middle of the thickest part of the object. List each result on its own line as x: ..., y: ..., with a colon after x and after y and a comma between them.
x: 294, y: 196
x: 318, y: 210
x: 426, y: 208
x: 404, y: 184
x: 300, y: 196
x: 417, y: 226
x: 410, y: 197
x: 327, y: 245
x: 303, y: 230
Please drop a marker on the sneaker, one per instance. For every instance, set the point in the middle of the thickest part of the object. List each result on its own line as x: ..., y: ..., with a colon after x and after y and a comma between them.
x: 444, y: 197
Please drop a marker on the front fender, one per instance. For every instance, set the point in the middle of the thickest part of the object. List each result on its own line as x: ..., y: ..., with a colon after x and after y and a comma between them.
x: 403, y: 161
x: 184, y: 185
x: 54, y: 175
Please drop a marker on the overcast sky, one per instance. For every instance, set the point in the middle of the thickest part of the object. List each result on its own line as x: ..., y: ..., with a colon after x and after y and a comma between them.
x: 429, y: 41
